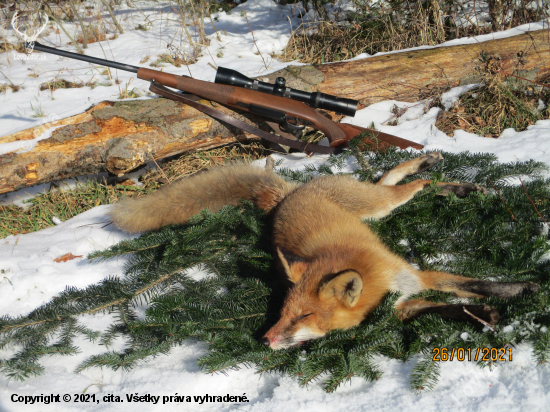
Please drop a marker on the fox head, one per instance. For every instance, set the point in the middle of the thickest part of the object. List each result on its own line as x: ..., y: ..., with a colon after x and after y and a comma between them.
x: 320, y: 300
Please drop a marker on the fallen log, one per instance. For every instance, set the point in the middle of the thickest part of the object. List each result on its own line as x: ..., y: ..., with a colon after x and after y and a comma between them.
x: 413, y: 75
x: 116, y: 137
x: 121, y: 136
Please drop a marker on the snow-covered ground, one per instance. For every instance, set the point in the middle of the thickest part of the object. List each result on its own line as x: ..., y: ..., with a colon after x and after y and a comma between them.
x: 30, y: 277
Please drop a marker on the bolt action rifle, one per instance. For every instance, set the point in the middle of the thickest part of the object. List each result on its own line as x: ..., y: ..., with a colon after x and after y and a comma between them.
x: 289, y: 110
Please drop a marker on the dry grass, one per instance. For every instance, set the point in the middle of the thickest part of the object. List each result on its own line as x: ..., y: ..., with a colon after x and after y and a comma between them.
x: 19, y: 47
x: 63, y: 204
x: 5, y: 87
x: 66, y: 203
x: 58, y: 83
x: 94, y: 33
x: 195, y: 162
x: 167, y: 58
x: 5, y: 46
x: 178, y: 56
x: 376, y: 27
x: 331, y: 42
x: 504, y: 102
x: 370, y: 31
x: 127, y: 92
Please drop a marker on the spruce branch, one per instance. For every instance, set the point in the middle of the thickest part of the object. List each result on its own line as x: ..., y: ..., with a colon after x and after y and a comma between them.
x: 533, y: 203
x: 425, y: 374
x: 498, y: 193
x: 241, y: 295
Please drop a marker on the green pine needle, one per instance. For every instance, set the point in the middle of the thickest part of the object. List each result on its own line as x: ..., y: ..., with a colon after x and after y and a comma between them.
x: 498, y: 236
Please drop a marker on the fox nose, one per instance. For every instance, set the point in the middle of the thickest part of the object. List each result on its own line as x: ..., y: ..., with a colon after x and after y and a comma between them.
x: 264, y: 341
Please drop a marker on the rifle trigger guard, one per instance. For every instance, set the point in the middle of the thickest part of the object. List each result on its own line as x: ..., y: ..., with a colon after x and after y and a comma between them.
x: 294, y: 129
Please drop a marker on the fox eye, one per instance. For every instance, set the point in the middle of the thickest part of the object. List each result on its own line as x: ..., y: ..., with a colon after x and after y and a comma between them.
x: 303, y: 316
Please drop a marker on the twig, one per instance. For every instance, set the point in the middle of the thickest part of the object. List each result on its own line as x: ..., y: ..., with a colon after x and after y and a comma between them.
x: 523, y: 78
x: 212, y: 21
x: 162, y: 171
x: 115, y: 21
x: 253, y: 38
x: 51, y: 15
x: 478, y: 319
x: 533, y: 203
x: 200, y: 22
x: 82, y: 26
x: 182, y: 9
x: 498, y: 193
x: 215, y: 68
x: 269, y: 163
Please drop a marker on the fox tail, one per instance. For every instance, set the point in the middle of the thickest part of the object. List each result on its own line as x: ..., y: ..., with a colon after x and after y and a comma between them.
x: 212, y: 190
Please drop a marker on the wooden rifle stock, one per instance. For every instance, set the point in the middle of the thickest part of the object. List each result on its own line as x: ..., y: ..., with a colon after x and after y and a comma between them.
x: 381, y: 140
x: 248, y: 100
x: 254, y: 102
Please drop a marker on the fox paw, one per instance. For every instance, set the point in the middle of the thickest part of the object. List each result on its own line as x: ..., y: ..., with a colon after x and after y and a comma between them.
x: 428, y: 160
x: 530, y: 287
x: 461, y: 190
x: 481, y: 312
x: 520, y: 288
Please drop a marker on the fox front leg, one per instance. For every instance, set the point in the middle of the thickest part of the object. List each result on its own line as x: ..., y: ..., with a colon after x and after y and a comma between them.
x: 462, y: 287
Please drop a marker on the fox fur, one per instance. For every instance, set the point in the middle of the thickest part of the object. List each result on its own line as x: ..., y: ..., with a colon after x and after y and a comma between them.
x: 339, y: 269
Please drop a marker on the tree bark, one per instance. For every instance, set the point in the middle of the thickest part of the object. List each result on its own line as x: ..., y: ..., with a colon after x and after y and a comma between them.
x: 121, y: 136
x: 115, y: 137
x: 414, y: 75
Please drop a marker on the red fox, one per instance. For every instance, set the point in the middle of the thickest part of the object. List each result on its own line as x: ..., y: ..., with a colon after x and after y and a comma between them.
x: 339, y: 269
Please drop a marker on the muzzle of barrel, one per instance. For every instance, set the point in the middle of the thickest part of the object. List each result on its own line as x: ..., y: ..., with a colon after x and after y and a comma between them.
x: 316, y: 100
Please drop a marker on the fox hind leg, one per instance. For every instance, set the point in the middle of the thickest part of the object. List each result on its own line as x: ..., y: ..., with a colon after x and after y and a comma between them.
x: 411, y: 167
x: 419, y: 165
x: 389, y: 196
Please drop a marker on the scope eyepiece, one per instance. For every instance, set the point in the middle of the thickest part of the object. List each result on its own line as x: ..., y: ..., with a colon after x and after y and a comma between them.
x: 316, y: 100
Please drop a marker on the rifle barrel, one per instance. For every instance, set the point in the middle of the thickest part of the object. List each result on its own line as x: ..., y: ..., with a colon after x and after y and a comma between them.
x: 95, y: 60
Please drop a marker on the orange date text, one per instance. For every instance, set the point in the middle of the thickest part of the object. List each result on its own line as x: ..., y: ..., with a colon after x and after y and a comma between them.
x: 479, y: 354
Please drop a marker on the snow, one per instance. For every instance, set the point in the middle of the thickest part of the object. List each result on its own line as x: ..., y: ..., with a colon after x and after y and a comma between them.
x: 31, y: 277
x: 418, y: 125
x: 448, y: 99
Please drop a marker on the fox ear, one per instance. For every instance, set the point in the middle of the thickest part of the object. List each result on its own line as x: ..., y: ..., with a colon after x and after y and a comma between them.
x: 345, y: 286
x: 294, y: 266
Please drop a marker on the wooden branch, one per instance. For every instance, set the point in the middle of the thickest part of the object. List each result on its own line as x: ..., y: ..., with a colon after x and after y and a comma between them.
x: 121, y: 136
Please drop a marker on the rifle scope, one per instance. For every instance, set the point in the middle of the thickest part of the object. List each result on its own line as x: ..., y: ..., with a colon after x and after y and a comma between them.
x: 316, y: 100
